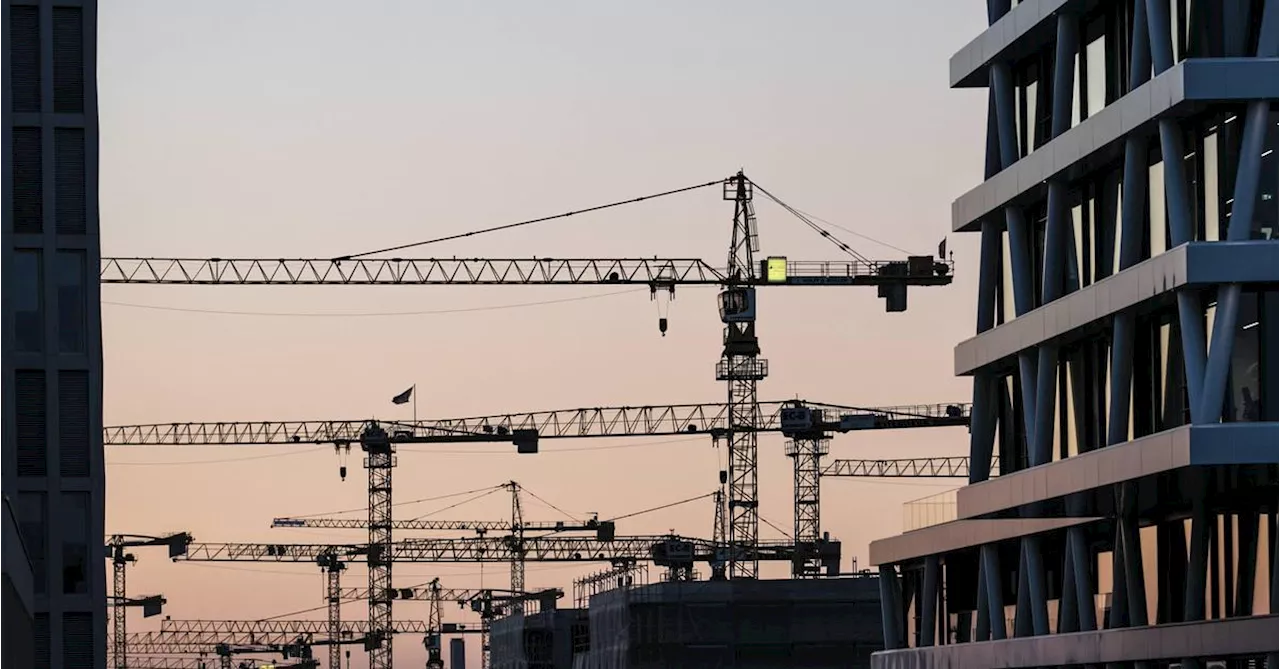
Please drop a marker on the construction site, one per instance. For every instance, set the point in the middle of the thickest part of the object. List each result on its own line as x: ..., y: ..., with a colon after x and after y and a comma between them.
x: 705, y: 603
x: 288, y: 414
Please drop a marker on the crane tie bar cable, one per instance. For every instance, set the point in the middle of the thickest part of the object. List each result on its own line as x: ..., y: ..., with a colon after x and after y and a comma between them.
x: 530, y: 221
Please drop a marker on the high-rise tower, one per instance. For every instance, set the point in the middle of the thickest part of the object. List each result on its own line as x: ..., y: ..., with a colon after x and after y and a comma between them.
x: 52, y: 349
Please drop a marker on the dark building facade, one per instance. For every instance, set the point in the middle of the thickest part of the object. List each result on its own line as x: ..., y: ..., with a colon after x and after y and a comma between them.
x: 745, y: 624
x: 52, y: 466
x: 1123, y: 482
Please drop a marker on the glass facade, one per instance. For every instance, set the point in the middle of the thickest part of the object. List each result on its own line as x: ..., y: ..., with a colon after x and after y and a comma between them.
x: 1165, y: 532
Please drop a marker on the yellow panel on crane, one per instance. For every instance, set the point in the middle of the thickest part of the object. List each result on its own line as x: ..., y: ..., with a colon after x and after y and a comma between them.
x: 775, y: 269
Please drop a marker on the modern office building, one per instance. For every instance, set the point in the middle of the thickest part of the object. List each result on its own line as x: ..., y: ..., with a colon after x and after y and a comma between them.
x: 1123, y: 483
x: 52, y: 351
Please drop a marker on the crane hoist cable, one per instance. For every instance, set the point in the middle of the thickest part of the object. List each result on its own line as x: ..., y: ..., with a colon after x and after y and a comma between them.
x: 412, y: 501
x: 855, y: 233
x: 553, y: 506
x: 664, y: 506
x: 823, y: 232
x: 532, y: 221
x: 458, y: 504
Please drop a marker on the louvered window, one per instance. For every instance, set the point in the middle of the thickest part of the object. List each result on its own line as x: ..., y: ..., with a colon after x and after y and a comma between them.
x: 28, y: 181
x: 29, y: 389
x: 68, y: 60
x: 73, y: 422
x: 28, y: 300
x: 77, y: 640
x: 69, y: 180
x: 24, y: 58
x: 43, y: 639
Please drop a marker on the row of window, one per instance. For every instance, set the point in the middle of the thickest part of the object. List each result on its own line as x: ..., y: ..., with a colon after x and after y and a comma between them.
x: 1101, y: 64
x: 72, y: 533
x: 25, y: 59
x: 70, y: 210
x: 1158, y: 394
x: 70, y: 301
x: 1164, y: 587
x: 31, y: 429
x: 77, y: 640
x: 1212, y: 145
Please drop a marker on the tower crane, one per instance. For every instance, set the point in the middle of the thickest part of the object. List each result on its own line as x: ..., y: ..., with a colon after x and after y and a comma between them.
x: 740, y: 365
x: 117, y: 549
x: 195, y: 636
x: 515, y: 529
x: 808, y: 424
x: 794, y: 418
x: 525, y: 430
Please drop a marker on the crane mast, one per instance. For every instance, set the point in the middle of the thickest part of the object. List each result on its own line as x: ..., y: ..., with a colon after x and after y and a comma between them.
x: 741, y: 368
x: 117, y: 550
x: 435, y: 624
x: 379, y: 460
x: 517, y: 562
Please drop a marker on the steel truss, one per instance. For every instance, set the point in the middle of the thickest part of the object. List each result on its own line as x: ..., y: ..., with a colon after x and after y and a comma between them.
x: 656, y: 273
x: 806, y: 455
x: 409, y: 272
x: 655, y: 420
x: 487, y: 549
x: 957, y: 467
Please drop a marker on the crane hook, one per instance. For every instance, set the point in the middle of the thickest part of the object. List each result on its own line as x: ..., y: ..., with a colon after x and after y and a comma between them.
x: 662, y: 326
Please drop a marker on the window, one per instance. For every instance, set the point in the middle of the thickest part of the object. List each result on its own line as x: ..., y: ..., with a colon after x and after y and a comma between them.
x: 69, y: 181
x: 1212, y: 219
x: 77, y: 639
x: 74, y: 526
x: 33, y: 524
x: 1006, y: 280
x: 43, y: 641
x: 1244, y: 399
x: 1075, y: 92
x: 28, y: 317
x: 68, y: 60
x: 28, y: 181
x: 1095, y: 58
x: 1265, y: 213
x: 71, y: 301
x: 29, y: 398
x: 73, y: 422
x: 1157, y: 228
x: 24, y: 58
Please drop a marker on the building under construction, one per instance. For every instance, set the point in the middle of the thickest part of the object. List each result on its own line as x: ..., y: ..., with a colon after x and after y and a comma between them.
x: 812, y: 623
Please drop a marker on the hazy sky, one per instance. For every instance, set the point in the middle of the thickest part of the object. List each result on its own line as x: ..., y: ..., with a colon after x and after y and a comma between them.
x: 308, y: 128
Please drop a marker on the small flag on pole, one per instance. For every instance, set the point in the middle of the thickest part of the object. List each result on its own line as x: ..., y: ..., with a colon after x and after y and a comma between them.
x: 942, y: 249
x: 403, y: 398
